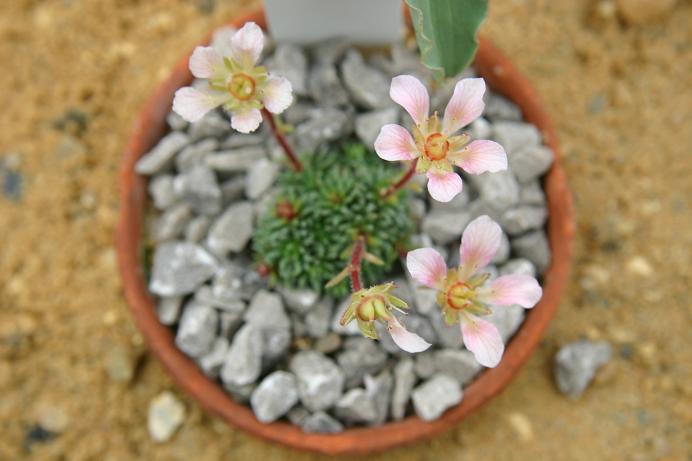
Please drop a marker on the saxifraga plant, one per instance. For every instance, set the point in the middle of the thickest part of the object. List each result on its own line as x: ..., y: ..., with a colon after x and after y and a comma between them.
x: 309, y: 231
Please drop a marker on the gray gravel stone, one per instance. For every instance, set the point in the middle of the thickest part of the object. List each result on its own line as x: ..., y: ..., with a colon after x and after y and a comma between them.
x: 360, y: 356
x: 235, y: 160
x: 194, y: 154
x: 404, y: 380
x: 232, y: 190
x: 499, y: 191
x: 297, y: 415
x: 424, y: 298
x: 179, y: 268
x: 176, y: 122
x: 518, y: 266
x: 327, y: 344
x: 320, y: 381
x: 421, y: 326
x: 260, y: 178
x: 290, y: 61
x: 321, y: 423
x: 162, y: 192
x: 197, y: 228
x: 460, y: 202
x: 198, y: 186
x: 380, y: 389
x: 447, y: 335
x: 514, y: 136
x: 502, y: 253
x: 532, y: 194
x: 243, y: 362
x: 507, y: 319
x: 317, y: 320
x: 480, y: 129
x: 232, y: 230
x: 229, y: 322
x: 368, y: 124
x: 368, y: 87
x: 172, y: 222
x: 241, y: 394
x: 212, y: 125
x: 330, y: 51
x: 205, y: 295
x: 457, y: 363
x: 236, y: 140
x: 445, y: 226
x: 299, y: 300
x: 533, y: 246
x: 436, y: 395
x: 211, y: 362
x: 498, y: 107
x: 385, y: 341
x: 576, y: 364
x: 418, y: 209
x: 275, y: 395
x: 197, y: 329
x: 267, y: 310
x: 161, y: 156
x: 168, y: 309
x: 276, y: 343
x: 531, y: 162
x: 326, y: 88
x: 236, y: 280
x: 424, y: 364
x: 523, y: 218
x: 323, y: 126
x: 356, y: 406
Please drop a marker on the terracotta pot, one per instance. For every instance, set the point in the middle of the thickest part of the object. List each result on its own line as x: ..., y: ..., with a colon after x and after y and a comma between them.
x: 148, y: 129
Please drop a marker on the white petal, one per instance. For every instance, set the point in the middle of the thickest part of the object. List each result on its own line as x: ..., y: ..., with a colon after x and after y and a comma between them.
x: 247, y: 44
x: 427, y: 266
x: 481, y: 156
x: 395, y: 143
x: 511, y: 289
x: 465, y: 106
x: 479, y: 243
x: 411, y: 94
x: 205, y: 62
x: 443, y: 187
x: 246, y: 120
x: 278, y: 94
x: 192, y: 103
x: 221, y: 40
x: 482, y: 338
x: 407, y: 341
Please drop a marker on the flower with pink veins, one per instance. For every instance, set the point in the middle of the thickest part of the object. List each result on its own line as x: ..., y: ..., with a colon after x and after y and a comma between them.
x: 433, y: 143
x: 376, y: 304
x: 235, y: 82
x: 465, y: 293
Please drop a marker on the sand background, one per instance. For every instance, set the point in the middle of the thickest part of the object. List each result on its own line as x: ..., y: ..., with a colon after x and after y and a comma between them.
x: 76, y: 72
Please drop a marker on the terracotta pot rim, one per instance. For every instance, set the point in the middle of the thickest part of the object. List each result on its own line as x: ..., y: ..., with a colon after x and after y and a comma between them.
x: 150, y: 126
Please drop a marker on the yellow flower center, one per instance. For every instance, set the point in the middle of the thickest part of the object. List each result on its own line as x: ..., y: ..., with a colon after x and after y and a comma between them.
x: 242, y: 86
x: 459, y: 295
x: 436, y: 146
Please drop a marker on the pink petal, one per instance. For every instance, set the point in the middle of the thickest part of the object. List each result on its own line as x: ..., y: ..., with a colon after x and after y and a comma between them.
x: 482, y: 338
x: 247, y: 44
x: 514, y: 289
x: 481, y: 156
x: 407, y: 341
x: 278, y: 94
x: 426, y: 266
x: 465, y: 106
x: 192, y: 103
x: 246, y: 120
x: 395, y: 143
x: 479, y: 243
x: 205, y: 61
x: 443, y: 187
x: 410, y: 93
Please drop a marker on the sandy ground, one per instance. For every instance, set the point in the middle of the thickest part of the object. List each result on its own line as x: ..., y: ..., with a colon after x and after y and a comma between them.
x: 76, y: 72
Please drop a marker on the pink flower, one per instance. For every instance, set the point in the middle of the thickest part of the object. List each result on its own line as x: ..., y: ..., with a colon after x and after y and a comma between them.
x: 433, y: 143
x: 376, y: 304
x: 465, y: 293
x: 235, y: 82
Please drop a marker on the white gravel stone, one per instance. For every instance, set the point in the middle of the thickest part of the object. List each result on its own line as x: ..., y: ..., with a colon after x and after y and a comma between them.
x: 299, y: 300
x: 232, y: 230
x: 356, y: 406
x: 317, y: 320
x: 404, y: 380
x: 275, y: 396
x: 321, y: 423
x: 162, y: 192
x: 436, y: 395
x: 172, y: 222
x: 198, y: 186
x: 260, y: 178
x: 197, y: 329
x: 179, y: 268
x: 161, y: 156
x: 531, y: 162
x: 524, y: 218
x: 576, y: 364
x: 457, y: 363
x: 234, y: 160
x: 514, y: 136
x: 368, y: 124
x: 243, y: 362
x: 320, y: 381
x: 368, y: 87
x: 212, y: 362
x: 166, y: 414
x: 168, y: 309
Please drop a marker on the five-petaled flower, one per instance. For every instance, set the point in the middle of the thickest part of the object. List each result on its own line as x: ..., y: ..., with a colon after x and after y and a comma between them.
x: 433, y: 142
x: 376, y: 304
x: 465, y: 293
x: 234, y: 82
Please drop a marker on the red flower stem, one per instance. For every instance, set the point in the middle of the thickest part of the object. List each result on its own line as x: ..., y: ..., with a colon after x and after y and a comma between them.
x: 295, y: 163
x: 406, y: 177
x: 356, y: 258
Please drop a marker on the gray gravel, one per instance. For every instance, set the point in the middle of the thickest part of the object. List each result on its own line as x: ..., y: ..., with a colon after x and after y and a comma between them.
x: 576, y: 365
